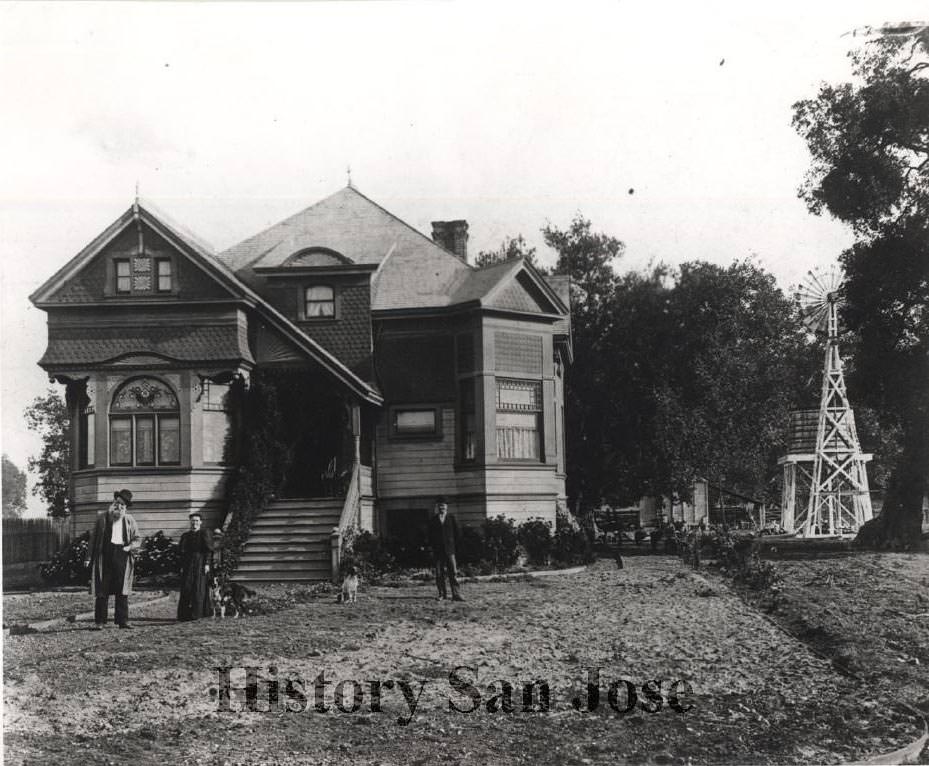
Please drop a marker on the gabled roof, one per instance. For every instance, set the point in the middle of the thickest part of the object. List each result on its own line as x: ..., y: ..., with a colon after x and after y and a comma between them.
x: 412, y: 271
x: 200, y: 254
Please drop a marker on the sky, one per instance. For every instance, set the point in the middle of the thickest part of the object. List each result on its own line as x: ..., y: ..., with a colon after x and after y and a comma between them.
x: 668, y: 125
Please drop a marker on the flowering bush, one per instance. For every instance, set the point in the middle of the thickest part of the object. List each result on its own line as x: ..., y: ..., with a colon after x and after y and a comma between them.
x: 158, y: 555
x: 67, y: 567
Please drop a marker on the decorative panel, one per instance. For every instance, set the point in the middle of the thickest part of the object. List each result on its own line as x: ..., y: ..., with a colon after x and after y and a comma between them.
x: 144, y: 394
x: 518, y: 352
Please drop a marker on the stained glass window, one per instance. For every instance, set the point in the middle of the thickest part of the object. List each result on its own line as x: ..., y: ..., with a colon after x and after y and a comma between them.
x: 144, y: 424
x: 121, y: 441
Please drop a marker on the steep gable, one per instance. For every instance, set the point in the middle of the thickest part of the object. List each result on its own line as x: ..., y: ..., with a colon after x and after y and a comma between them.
x: 139, y: 239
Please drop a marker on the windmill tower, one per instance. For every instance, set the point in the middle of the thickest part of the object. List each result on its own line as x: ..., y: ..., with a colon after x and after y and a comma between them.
x: 839, y: 500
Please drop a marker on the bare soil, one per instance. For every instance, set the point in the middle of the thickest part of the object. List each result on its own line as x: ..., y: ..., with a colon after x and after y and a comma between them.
x: 24, y: 608
x: 760, y: 693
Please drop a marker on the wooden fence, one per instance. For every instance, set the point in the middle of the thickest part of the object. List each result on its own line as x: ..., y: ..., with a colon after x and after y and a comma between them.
x: 32, y: 540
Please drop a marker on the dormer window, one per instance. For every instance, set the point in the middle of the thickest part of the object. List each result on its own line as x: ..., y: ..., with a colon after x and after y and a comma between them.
x: 319, y: 302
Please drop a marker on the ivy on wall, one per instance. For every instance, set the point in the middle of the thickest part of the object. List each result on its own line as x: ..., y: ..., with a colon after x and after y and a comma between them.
x: 280, y: 420
x: 258, y: 452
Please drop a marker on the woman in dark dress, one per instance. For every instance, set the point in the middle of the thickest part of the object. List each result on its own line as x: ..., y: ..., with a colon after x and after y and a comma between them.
x: 196, y: 549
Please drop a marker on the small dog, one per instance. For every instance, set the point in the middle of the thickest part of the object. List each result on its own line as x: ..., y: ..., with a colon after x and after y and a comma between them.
x: 349, y: 593
x: 225, y: 594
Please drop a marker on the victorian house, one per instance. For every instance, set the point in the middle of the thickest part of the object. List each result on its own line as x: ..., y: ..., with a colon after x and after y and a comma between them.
x: 425, y: 375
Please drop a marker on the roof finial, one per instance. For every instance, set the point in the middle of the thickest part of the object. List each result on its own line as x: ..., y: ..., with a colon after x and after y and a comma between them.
x: 137, y: 191
x: 348, y: 172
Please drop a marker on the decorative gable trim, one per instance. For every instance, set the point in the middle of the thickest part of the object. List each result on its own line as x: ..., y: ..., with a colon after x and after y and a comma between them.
x: 548, y: 302
x: 221, y: 273
x: 44, y: 296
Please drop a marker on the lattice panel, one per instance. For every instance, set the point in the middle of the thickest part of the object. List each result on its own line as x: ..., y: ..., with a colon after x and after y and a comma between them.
x: 518, y: 352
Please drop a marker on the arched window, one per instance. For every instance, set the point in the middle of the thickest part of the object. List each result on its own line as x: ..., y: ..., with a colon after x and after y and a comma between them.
x: 319, y: 302
x: 145, y: 426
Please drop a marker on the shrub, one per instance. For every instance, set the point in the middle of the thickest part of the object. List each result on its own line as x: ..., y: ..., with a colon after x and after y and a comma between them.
x: 500, y: 542
x: 369, y: 555
x: 159, y: 555
x: 67, y: 567
x: 470, y: 545
x: 535, y: 536
x: 412, y: 550
x: 572, y: 544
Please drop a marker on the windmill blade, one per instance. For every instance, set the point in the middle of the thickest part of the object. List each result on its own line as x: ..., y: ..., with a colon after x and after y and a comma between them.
x: 816, y: 281
x: 816, y: 318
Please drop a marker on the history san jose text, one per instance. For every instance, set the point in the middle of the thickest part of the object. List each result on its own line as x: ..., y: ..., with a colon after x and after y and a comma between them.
x: 260, y: 690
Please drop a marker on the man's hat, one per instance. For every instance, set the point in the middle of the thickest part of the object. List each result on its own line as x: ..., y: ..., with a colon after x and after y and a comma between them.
x: 125, y: 495
x: 440, y: 500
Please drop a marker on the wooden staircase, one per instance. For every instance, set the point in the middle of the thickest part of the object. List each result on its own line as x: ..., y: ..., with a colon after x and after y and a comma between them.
x: 289, y: 542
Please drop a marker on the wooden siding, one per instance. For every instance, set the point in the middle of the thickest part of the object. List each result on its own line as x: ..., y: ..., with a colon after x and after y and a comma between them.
x: 416, y: 466
x: 172, y: 519
x: 161, y: 501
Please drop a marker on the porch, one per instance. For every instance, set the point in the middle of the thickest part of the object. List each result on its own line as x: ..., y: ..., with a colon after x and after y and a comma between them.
x: 299, y: 540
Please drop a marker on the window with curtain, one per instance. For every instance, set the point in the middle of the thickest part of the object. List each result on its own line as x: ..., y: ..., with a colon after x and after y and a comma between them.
x: 519, y: 419
x: 319, y: 302
x: 145, y: 424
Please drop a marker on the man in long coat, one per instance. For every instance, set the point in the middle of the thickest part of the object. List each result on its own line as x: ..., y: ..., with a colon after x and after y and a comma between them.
x: 196, y: 549
x: 443, y: 538
x: 113, y: 544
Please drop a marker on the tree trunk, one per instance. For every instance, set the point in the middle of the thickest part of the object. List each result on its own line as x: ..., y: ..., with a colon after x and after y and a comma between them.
x: 899, y: 526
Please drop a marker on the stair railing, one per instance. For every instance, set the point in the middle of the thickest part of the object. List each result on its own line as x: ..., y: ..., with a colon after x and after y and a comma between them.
x: 351, y: 512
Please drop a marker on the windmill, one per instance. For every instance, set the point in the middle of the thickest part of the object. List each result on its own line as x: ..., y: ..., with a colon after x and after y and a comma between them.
x: 839, y: 500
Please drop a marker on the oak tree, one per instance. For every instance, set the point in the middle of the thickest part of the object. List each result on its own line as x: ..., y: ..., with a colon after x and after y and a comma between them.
x: 869, y: 140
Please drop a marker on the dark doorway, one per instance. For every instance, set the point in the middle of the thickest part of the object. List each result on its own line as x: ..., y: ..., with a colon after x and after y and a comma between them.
x: 317, y: 436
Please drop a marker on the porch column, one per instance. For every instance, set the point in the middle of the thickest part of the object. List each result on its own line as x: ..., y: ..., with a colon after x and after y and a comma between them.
x: 356, y: 432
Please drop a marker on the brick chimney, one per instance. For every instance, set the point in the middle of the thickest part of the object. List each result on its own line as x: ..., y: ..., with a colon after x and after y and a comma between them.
x: 453, y: 236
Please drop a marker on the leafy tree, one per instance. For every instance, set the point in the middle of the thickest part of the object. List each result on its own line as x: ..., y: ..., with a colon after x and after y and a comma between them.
x: 736, y: 363
x: 869, y: 141
x: 509, y: 249
x: 625, y: 462
x: 48, y: 416
x: 14, y: 489
x: 588, y: 258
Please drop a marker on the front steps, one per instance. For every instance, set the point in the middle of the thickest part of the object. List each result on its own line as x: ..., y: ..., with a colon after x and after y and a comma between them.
x: 289, y: 542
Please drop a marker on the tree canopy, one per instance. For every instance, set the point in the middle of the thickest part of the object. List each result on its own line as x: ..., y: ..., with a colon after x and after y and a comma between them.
x: 48, y: 416
x: 14, y: 489
x: 678, y: 374
x: 510, y: 248
x: 869, y: 141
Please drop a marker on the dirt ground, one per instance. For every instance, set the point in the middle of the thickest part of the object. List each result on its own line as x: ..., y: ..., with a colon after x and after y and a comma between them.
x: 758, y: 692
x: 24, y: 608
